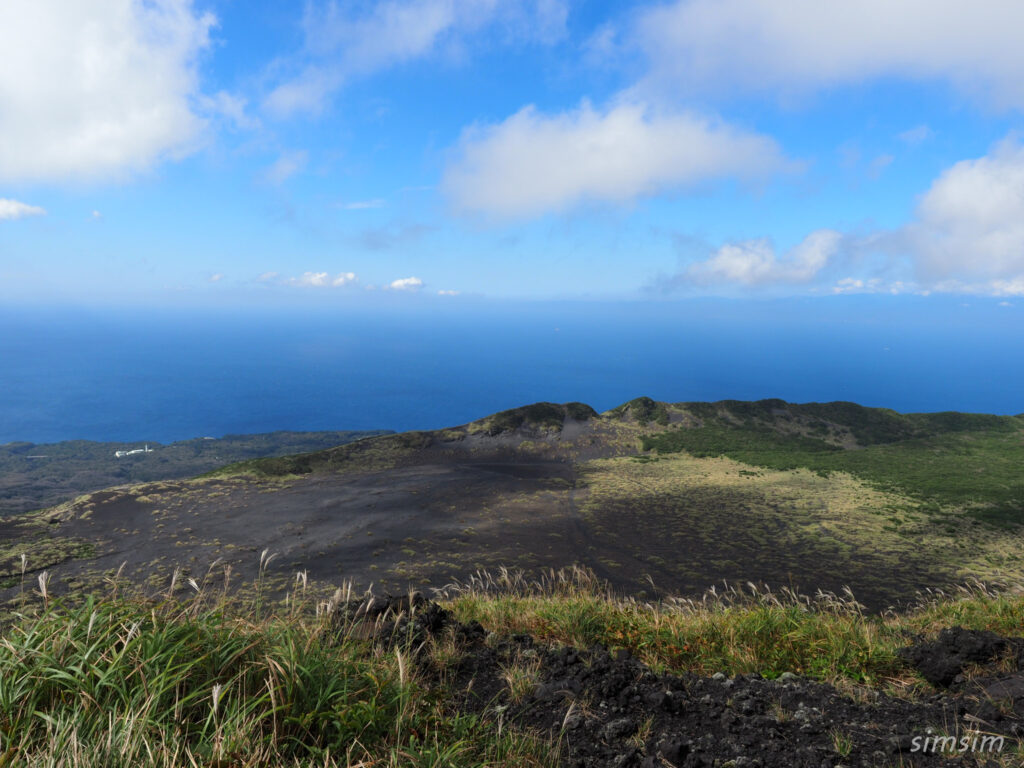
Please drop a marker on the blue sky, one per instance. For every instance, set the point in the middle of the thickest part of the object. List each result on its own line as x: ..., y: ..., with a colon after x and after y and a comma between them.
x: 220, y: 153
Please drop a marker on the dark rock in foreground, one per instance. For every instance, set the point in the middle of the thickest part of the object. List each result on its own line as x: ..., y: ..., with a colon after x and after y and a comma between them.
x: 610, y: 711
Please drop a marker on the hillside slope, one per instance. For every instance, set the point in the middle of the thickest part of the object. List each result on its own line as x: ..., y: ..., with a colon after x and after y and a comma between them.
x: 652, y: 496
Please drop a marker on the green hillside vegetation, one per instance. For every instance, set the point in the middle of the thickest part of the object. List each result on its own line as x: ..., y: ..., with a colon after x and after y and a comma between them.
x: 644, y: 410
x: 543, y: 416
x: 197, y: 676
x: 969, y: 461
x: 159, y: 665
x: 811, y: 496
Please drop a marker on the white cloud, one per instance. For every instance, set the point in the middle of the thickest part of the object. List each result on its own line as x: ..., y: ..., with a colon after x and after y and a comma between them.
x: 966, y: 237
x: 447, y: 293
x: 916, y: 135
x: 305, y: 93
x: 875, y: 285
x: 15, y: 209
x: 754, y: 262
x: 1014, y: 287
x: 848, y: 285
x: 362, y: 205
x: 773, y: 46
x: 533, y: 163
x: 314, y: 279
x: 216, y: 278
x: 286, y: 166
x: 346, y: 40
x: 232, y: 108
x: 406, y: 284
x: 969, y: 226
x: 97, y: 88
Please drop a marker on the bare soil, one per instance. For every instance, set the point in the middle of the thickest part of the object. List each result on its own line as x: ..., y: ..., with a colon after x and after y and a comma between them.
x: 443, y: 507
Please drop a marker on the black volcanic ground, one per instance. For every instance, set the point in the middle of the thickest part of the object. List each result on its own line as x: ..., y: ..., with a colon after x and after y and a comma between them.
x: 422, y: 509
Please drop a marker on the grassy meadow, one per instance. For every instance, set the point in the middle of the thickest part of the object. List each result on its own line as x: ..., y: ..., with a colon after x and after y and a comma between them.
x: 196, y: 676
x: 969, y: 462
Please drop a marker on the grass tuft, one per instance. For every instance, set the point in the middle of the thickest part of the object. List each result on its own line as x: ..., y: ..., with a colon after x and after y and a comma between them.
x: 127, y: 680
x: 204, y: 678
x: 738, y: 629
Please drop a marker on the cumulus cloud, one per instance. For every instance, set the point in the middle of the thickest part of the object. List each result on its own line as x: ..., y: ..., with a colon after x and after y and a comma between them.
x: 966, y: 236
x: 97, y: 88
x: 875, y: 285
x: 785, y: 45
x: 314, y: 279
x: 1013, y: 287
x: 346, y: 40
x: 406, y: 284
x: 533, y: 163
x: 15, y: 209
x: 755, y: 262
x: 969, y: 225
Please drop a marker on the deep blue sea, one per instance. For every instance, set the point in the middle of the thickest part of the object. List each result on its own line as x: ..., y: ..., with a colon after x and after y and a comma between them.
x: 164, y: 375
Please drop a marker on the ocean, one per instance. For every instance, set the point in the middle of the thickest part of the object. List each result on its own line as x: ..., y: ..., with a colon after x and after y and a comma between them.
x: 164, y: 375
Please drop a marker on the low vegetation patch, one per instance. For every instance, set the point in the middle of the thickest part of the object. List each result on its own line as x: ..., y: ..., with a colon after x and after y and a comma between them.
x: 124, y: 680
x: 970, y: 461
x: 644, y: 410
x: 196, y: 676
x: 736, y: 630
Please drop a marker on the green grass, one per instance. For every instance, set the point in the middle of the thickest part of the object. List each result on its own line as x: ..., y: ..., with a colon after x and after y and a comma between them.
x: 209, y: 680
x: 123, y: 681
x: 736, y: 630
x: 644, y: 410
x: 767, y: 639
x: 948, y: 461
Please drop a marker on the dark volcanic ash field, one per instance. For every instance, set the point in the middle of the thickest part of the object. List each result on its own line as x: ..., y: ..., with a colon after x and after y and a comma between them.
x: 422, y: 509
